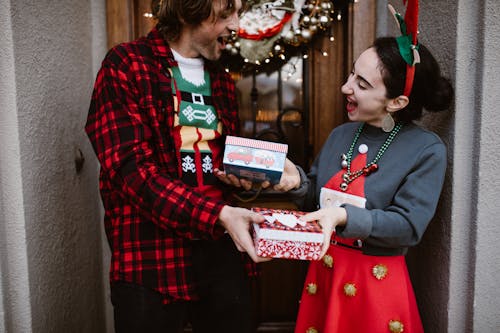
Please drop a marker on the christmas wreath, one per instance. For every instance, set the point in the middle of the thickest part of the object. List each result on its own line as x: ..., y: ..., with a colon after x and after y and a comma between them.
x: 273, y: 31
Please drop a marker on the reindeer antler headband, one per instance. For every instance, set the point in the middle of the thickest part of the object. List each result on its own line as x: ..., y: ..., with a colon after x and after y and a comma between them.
x: 407, y: 42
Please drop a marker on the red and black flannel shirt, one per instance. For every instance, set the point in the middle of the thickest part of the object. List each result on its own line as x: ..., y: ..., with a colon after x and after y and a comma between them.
x: 150, y: 215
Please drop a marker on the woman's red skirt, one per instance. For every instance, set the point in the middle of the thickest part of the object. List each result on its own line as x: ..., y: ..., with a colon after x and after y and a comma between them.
x: 350, y: 292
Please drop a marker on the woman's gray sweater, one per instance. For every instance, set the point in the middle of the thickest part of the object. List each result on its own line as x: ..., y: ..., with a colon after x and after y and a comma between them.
x: 401, y: 196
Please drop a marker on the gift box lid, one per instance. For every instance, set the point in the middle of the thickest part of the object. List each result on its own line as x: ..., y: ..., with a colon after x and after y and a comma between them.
x: 283, y: 225
x: 257, y: 144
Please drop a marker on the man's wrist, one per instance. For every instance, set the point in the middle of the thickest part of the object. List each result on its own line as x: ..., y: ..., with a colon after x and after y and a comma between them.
x: 223, y: 216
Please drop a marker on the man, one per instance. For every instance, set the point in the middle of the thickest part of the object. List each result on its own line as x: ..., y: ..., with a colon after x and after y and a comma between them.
x: 160, y: 111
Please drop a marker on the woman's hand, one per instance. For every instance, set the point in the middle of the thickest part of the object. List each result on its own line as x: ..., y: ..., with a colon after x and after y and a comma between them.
x: 290, y: 179
x: 328, y: 218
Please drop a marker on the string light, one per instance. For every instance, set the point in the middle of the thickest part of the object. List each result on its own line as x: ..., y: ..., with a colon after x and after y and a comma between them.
x: 290, y: 69
x: 330, y: 34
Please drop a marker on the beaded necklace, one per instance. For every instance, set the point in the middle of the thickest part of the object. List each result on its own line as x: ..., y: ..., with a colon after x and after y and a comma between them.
x: 349, y: 176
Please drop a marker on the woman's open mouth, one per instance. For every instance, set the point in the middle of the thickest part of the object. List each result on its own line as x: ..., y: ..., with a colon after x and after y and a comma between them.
x: 351, y: 106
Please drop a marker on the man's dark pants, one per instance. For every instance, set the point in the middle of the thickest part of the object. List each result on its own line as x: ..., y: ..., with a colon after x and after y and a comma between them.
x: 224, y: 291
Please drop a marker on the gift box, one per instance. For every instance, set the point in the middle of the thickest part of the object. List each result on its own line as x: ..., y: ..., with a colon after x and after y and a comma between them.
x: 255, y: 160
x: 282, y: 235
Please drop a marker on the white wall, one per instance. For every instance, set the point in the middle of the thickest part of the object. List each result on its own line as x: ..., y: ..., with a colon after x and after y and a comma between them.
x: 51, y: 266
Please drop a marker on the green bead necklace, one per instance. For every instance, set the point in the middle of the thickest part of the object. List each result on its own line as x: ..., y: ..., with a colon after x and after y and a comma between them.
x: 349, y: 176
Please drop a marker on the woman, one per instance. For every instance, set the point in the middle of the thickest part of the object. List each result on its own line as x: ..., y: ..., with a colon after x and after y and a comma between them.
x: 377, y: 181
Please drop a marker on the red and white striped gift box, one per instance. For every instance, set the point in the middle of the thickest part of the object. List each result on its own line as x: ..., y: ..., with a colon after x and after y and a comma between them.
x: 275, y: 239
x: 256, y: 160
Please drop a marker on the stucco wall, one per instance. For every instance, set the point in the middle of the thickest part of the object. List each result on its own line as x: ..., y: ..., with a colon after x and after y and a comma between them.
x: 455, y: 267
x: 428, y: 263
x: 52, y: 270
x: 465, y: 174
x: 487, y: 259
x: 474, y: 266
x: 15, y: 315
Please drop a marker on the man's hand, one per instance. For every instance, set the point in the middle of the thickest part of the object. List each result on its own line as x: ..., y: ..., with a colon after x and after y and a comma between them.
x: 235, y: 181
x: 237, y: 222
x: 290, y: 179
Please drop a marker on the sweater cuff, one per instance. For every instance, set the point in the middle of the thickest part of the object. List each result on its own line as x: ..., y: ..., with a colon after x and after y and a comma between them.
x: 301, y: 191
x: 359, y: 223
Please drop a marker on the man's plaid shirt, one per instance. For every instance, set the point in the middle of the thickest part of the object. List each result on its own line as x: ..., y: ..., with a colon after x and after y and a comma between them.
x: 150, y: 215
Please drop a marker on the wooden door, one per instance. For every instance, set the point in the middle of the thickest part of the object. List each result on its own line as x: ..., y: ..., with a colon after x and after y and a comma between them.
x: 127, y: 20
x: 277, y: 290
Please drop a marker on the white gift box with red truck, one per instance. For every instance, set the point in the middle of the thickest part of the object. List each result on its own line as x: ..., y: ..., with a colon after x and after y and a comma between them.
x: 282, y: 235
x: 255, y: 160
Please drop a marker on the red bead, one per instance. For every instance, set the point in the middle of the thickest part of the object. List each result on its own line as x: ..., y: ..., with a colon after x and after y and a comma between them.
x: 369, y: 169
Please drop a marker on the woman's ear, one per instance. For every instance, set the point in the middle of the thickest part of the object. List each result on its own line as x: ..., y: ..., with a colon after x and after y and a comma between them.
x: 398, y: 103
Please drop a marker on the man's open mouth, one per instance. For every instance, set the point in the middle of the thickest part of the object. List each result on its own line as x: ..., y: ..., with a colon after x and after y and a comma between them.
x: 222, y: 40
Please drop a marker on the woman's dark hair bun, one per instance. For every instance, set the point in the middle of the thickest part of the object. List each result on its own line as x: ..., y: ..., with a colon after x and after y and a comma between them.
x: 430, y: 91
x: 439, y: 99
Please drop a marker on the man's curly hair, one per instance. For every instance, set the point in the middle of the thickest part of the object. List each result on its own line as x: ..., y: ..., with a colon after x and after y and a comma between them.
x: 173, y: 14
